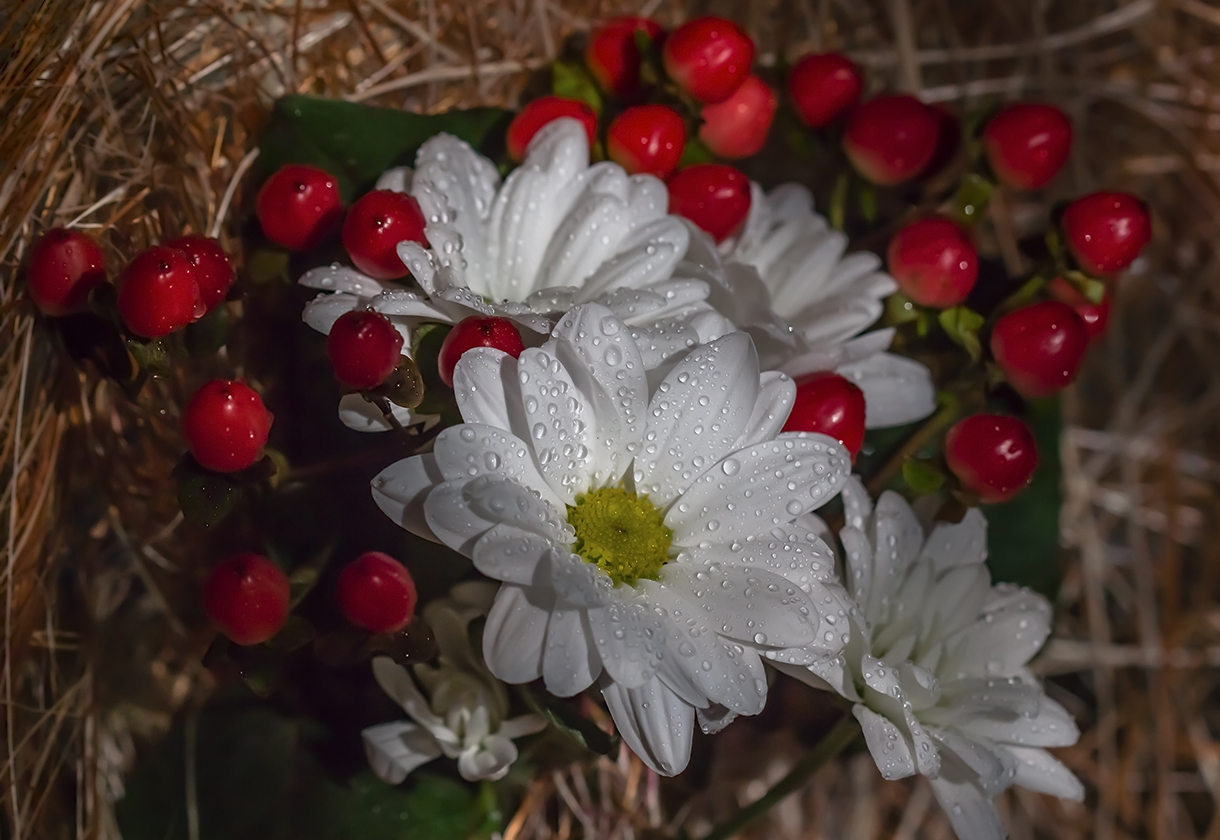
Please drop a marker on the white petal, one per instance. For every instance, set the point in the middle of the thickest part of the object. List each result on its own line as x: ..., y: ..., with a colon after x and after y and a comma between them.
x: 474, y: 449
x: 515, y: 633
x: 714, y: 719
x: 510, y: 554
x: 1051, y: 727
x: 397, y: 683
x: 754, y: 605
x: 857, y: 504
x: 963, y: 544
x: 1039, y: 770
x: 759, y: 487
x: 401, y: 489
x: 646, y: 257
x: 1003, y: 639
x: 887, y: 744
x: 522, y: 725
x: 897, y: 390
x: 697, y: 414
x: 397, y: 179
x: 654, y: 722
x: 955, y: 600
x: 897, y: 537
x: 570, y: 662
x: 455, y: 188
x: 360, y: 415
x: 341, y: 278
x: 776, y: 393
x: 858, y: 572
x: 983, y: 761
x: 560, y: 423
x: 395, y: 749
x: 404, y: 304
x: 662, y: 343
x: 792, y: 552
x: 630, y: 641
x: 578, y: 583
x: 490, y: 760
x: 485, y: 387
x: 322, y: 312
x: 833, y: 321
x: 969, y: 809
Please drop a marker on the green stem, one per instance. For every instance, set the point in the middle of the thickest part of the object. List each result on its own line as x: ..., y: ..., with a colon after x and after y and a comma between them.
x: 831, y: 745
x: 948, y: 412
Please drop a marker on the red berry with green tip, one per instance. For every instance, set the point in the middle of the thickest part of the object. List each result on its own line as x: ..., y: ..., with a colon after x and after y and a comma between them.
x: 158, y: 293
x: 213, y: 269
x: 613, y: 56
x: 1027, y: 144
x: 1096, y: 316
x: 714, y: 196
x: 364, y: 348
x: 831, y: 405
x: 738, y: 126
x: 1040, y: 347
x: 246, y: 598
x: 374, y: 226
x: 476, y: 331
x: 299, y: 206
x: 992, y: 455
x: 64, y: 266
x: 377, y: 593
x: 823, y: 87
x: 647, y: 139
x: 1105, y: 231
x: 226, y: 426
x: 891, y: 139
x: 708, y: 57
x: 934, y: 262
x: 541, y: 112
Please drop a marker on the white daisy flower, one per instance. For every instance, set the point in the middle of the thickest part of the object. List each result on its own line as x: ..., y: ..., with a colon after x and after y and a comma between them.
x: 937, y: 664
x: 658, y: 547
x: 467, y: 715
x: 556, y: 233
x: 807, y: 306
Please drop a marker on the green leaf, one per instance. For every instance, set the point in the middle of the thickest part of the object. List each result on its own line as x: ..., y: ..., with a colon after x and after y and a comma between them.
x: 152, y: 356
x: 838, y: 201
x: 438, y: 397
x: 305, y: 576
x: 267, y: 265
x: 356, y: 143
x: 1094, y: 290
x: 695, y: 151
x: 900, y: 309
x: 561, y: 715
x: 205, y: 497
x: 868, y: 202
x: 571, y: 80
x: 922, y: 476
x: 962, y: 325
x: 972, y: 198
x: 294, y: 635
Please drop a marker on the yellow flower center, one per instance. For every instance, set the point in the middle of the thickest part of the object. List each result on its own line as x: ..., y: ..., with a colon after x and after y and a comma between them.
x: 621, y: 533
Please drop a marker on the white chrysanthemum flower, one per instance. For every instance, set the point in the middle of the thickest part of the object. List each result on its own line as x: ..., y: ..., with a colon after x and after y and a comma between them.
x: 558, y: 232
x: 807, y: 305
x: 467, y: 715
x: 659, y: 547
x: 937, y: 663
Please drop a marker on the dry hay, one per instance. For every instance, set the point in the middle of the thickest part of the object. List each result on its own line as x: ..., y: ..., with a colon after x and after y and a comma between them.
x: 136, y: 121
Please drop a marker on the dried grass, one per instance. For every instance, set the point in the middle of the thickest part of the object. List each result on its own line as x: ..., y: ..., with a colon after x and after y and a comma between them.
x: 136, y: 120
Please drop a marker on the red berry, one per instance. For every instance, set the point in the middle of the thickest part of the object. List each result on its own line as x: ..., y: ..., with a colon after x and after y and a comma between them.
x: 829, y: 404
x: 823, y: 87
x: 226, y: 426
x: 65, y: 265
x: 1106, y: 231
x: 1040, y: 347
x: 648, y: 139
x: 738, y: 126
x: 934, y: 262
x: 299, y: 206
x: 714, y: 196
x: 476, y: 331
x: 159, y: 293
x: 530, y: 120
x: 1027, y: 144
x: 246, y: 598
x: 708, y: 57
x: 992, y: 455
x: 364, y: 348
x: 613, y: 57
x: 375, y: 225
x: 213, y: 269
x: 376, y: 592
x: 1095, y: 315
x: 891, y: 139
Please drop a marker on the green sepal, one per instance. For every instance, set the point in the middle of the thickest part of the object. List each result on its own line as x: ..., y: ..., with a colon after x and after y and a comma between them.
x: 571, y: 80
x: 962, y: 325
x: 205, y: 497
x: 566, y: 720
x: 923, y: 477
x: 972, y: 198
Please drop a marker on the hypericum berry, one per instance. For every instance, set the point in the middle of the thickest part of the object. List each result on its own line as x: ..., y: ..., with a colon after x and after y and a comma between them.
x: 993, y: 455
x: 1040, y: 347
x: 530, y: 120
x: 1106, y: 231
x: 226, y: 425
x: 823, y: 87
x: 476, y: 331
x: 613, y: 56
x: 708, y: 57
x: 213, y: 268
x: 158, y: 293
x: 364, y: 348
x: 64, y: 266
x: 246, y: 598
x: 299, y: 206
x: 829, y: 404
x: 1095, y: 315
x: 376, y: 592
x: 374, y: 226
x: 934, y: 262
x: 714, y: 196
x: 891, y: 139
x: 738, y: 126
x: 647, y: 139
x: 1027, y: 144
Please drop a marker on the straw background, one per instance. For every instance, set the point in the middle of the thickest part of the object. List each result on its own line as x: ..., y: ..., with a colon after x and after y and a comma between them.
x: 135, y: 120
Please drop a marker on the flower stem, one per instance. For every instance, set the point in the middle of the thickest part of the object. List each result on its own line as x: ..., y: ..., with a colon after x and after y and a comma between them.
x: 843, y: 733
